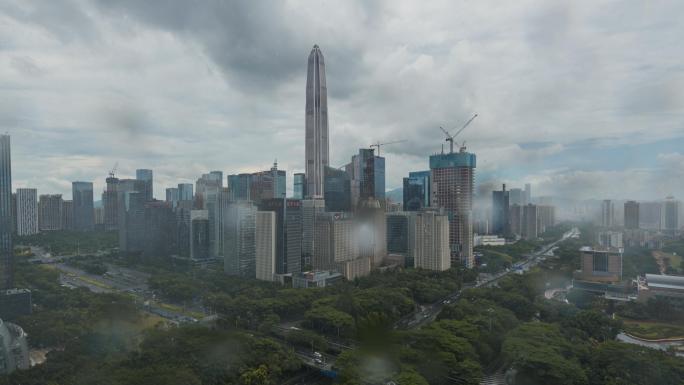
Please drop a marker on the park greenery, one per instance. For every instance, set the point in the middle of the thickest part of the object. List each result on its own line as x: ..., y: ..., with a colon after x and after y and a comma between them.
x: 108, y: 339
x: 71, y: 242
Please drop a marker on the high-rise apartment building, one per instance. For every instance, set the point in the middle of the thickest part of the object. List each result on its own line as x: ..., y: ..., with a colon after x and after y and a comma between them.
x: 453, y: 176
x: 316, y: 123
x: 27, y: 211
x: 67, y: 215
x: 516, y: 196
x: 530, y: 222
x: 337, y: 246
x: 239, y: 240
x: 265, y: 248
x: 299, y: 185
x: 671, y: 216
x: 650, y: 215
x: 416, y: 191
x: 631, y: 215
x: 500, y: 209
x: 83, y: 214
x: 146, y: 176
x: 371, y: 225
x: 398, y: 232
x: 607, y: 213
x: 515, y: 219
x: 430, y: 248
x: 6, y: 221
x: 546, y: 217
x: 99, y: 217
x: 528, y: 194
x: 50, y: 212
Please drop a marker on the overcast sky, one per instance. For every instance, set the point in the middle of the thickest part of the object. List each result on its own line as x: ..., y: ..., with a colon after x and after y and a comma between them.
x: 581, y: 99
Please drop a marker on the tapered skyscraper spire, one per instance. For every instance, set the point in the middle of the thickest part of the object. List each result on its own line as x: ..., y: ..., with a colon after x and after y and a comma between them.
x: 317, y: 146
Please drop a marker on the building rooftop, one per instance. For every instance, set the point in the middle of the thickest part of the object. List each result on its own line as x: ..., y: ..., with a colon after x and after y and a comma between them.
x: 672, y: 282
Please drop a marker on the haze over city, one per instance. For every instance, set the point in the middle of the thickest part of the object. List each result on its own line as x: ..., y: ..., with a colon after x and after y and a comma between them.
x: 315, y: 192
x: 582, y: 99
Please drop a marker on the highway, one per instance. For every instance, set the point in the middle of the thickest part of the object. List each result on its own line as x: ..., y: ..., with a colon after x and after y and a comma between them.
x: 428, y: 313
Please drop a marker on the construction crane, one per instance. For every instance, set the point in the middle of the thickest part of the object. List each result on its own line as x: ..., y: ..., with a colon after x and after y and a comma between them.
x: 378, y: 144
x: 113, y: 170
x: 450, y: 138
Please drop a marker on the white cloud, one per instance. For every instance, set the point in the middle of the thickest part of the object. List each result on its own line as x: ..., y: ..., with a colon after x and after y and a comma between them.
x: 189, y: 88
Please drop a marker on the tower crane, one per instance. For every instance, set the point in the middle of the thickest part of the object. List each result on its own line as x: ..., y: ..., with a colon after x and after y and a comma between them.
x: 378, y: 144
x: 450, y: 138
x: 113, y: 170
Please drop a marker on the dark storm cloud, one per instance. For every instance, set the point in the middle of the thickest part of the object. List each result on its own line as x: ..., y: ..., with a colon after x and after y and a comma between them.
x: 256, y: 44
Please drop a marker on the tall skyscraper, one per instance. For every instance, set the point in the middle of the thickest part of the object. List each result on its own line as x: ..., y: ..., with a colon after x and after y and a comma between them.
x: 516, y: 196
x: 337, y: 190
x: 146, y: 176
x: 268, y: 184
x: 50, y: 212
x: 299, y: 185
x: 631, y: 215
x: 160, y: 222
x: 372, y: 175
x: 650, y: 215
x: 311, y: 209
x: 500, y: 209
x: 199, y: 234
x: 316, y: 122
x: 528, y: 194
x: 452, y: 178
x: 240, y: 187
x: 671, y: 216
x: 172, y: 195
x: 185, y: 192
x: 27, y: 211
x: 530, y: 222
x: 6, y: 251
x: 607, y: 213
x: 265, y: 250
x: 288, y: 233
x: 110, y: 201
x: 417, y: 190
x: 398, y: 232
x: 83, y: 213
x: 239, y: 239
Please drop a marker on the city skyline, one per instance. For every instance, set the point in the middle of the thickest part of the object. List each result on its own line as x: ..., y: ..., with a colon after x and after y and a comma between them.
x: 539, y: 120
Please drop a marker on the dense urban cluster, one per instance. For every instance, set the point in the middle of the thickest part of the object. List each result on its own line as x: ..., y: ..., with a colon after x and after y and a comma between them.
x: 231, y: 281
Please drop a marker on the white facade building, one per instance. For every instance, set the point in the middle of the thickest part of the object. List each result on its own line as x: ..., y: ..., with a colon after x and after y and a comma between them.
x: 265, y: 245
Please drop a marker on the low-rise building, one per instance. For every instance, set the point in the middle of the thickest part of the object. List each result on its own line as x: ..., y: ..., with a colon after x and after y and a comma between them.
x: 600, y: 265
x: 315, y: 279
x: 488, y: 240
x: 660, y: 286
